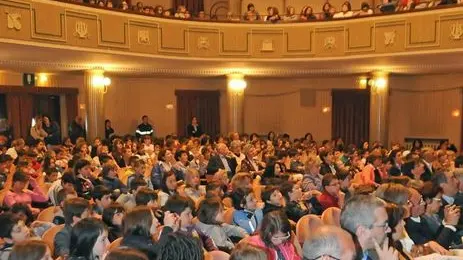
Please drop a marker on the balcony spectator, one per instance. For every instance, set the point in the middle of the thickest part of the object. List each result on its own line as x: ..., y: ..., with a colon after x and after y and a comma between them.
x: 158, y: 10
x: 202, y: 15
x: 109, y: 4
x: 272, y: 14
x: 251, y: 13
x: 346, y: 11
x: 53, y: 131
x: 124, y: 5
x: 290, y: 14
x: 37, y: 132
x: 181, y: 11
x: 307, y: 14
x: 167, y: 13
x: 326, y: 11
x: 365, y: 10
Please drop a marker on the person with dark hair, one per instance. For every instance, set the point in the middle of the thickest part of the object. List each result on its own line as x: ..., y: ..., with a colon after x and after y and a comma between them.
x: 179, y: 246
x: 112, y: 217
x: 168, y: 187
x: 210, y: 216
x: 144, y: 128
x: 110, y: 179
x: 108, y: 130
x: 30, y: 250
x: 139, y: 168
x: 297, y: 203
x: 183, y: 208
x: 273, y: 199
x: 247, y: 214
x: 125, y: 254
x: 371, y: 174
x: 74, y: 210
x: 415, y: 170
x: 62, y: 196
x: 275, y: 236
x: 147, y: 197
x: 83, y: 173
x: 331, y: 195
x: 89, y: 240
x: 139, y: 227
x: 194, y: 129
x: 128, y: 200
x: 396, y: 215
x: 163, y: 166
x: 67, y: 183
x: 52, y: 129
x: 181, y: 166
x: 251, y: 14
x: 102, y: 198
x: 327, y: 165
x: 77, y: 129
x: 22, y: 212
x: 12, y: 231
x: 20, y: 194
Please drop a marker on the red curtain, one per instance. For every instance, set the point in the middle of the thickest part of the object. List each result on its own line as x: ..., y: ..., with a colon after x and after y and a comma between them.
x: 20, y: 113
x: 351, y: 115
x: 71, y: 106
x: 203, y: 104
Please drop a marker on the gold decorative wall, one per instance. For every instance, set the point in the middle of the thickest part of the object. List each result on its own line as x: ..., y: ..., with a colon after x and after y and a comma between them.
x: 65, y: 24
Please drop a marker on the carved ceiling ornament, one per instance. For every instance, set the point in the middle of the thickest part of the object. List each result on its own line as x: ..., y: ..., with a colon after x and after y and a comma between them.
x: 267, y: 45
x: 144, y: 37
x: 389, y: 38
x: 329, y: 43
x: 14, y: 21
x: 81, y: 30
x: 203, y: 43
x: 456, y: 31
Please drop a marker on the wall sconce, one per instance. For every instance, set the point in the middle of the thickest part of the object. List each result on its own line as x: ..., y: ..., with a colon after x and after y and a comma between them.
x: 236, y: 82
x: 101, y: 81
x: 456, y: 113
x: 376, y: 84
x: 326, y: 109
x: 42, y: 78
x: 363, y: 82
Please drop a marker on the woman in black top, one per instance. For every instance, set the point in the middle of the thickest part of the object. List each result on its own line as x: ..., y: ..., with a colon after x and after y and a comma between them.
x: 108, y: 130
x: 194, y: 129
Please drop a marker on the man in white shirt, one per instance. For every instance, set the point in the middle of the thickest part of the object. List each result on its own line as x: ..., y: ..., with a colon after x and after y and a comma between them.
x: 16, y: 145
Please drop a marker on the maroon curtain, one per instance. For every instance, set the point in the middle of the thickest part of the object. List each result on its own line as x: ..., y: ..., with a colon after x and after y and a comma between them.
x: 351, y: 115
x: 203, y: 104
x: 71, y: 106
x: 193, y: 6
x: 20, y: 113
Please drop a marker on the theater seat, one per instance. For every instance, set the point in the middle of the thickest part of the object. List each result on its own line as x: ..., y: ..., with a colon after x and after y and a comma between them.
x: 332, y: 216
x: 218, y: 255
x: 47, y: 214
x: 228, y: 216
x: 49, y: 237
x: 306, y: 225
x: 115, y: 244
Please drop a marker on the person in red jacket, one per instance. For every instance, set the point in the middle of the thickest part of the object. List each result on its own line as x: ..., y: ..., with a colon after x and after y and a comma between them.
x: 331, y: 195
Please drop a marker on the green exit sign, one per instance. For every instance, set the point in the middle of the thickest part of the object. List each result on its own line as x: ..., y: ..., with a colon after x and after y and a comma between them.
x: 29, y: 79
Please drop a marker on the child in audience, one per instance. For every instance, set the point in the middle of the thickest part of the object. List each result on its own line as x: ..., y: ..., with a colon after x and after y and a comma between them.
x: 62, y: 196
x: 112, y: 217
x: 31, y: 250
x: 214, y: 189
x: 183, y: 208
x: 192, y: 182
x: 20, y: 194
x: 273, y: 199
x: 168, y: 187
x: 12, y: 231
x: 147, y: 197
x: 89, y: 240
x: 210, y: 216
x: 51, y: 175
x: 102, y: 198
x: 128, y: 200
x: 83, y: 173
x: 111, y: 180
x: 247, y: 214
x: 74, y: 210
x: 139, y: 168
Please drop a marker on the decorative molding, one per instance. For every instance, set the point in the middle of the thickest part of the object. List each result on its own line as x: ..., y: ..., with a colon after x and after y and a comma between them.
x: 143, y: 37
x: 81, y: 30
x: 203, y: 43
x: 14, y: 21
x: 329, y: 43
x: 267, y: 46
x: 389, y: 38
x: 456, y: 31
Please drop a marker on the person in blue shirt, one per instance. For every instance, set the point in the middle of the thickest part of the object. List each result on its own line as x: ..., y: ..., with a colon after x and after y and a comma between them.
x: 247, y: 214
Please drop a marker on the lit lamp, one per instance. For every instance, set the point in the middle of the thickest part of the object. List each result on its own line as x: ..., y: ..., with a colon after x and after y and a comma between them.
x: 236, y: 83
x: 43, y: 79
x: 456, y: 113
x: 99, y: 81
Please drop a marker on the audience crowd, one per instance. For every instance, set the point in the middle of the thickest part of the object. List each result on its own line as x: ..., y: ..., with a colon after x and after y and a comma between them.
x: 238, y: 196
x: 273, y: 15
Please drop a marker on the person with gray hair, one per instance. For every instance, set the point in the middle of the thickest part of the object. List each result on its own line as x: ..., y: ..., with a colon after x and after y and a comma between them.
x: 365, y: 217
x: 329, y: 242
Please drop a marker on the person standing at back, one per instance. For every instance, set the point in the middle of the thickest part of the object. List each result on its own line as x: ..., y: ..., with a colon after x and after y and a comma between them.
x: 144, y: 128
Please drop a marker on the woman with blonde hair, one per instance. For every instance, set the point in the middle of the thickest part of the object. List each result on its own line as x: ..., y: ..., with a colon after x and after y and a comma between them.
x: 312, y: 179
x: 192, y: 182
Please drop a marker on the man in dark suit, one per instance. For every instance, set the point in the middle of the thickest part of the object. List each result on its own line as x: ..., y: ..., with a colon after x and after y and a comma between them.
x: 222, y: 161
x: 418, y: 228
x: 194, y: 129
x: 428, y: 158
x: 447, y: 182
x: 415, y: 170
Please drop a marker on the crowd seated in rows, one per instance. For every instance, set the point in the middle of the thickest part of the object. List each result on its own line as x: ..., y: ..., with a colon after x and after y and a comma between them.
x: 229, y: 197
x: 273, y: 15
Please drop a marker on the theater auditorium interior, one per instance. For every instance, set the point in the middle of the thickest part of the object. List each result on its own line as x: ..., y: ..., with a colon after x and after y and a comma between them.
x: 231, y: 129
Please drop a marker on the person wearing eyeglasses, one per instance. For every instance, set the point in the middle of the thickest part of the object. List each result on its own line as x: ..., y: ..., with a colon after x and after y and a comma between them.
x: 433, y: 199
x: 365, y: 217
x: 331, y: 195
x: 418, y: 228
x: 275, y: 237
x: 329, y: 243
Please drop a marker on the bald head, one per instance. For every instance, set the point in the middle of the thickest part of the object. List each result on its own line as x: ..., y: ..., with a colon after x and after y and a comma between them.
x: 329, y: 241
